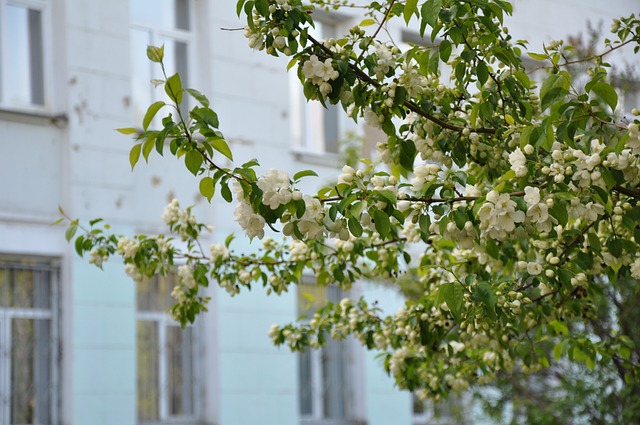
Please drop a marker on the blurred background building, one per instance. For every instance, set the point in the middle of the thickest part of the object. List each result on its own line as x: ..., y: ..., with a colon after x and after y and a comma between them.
x: 88, y: 347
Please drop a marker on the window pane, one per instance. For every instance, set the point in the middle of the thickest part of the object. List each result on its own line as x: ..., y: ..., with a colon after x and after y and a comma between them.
x: 333, y: 379
x: 24, y: 288
x: 141, y: 74
x: 155, y: 294
x: 148, y: 367
x: 161, y: 13
x: 24, y: 83
x: 180, y: 370
x: 306, y: 383
x: 31, y: 387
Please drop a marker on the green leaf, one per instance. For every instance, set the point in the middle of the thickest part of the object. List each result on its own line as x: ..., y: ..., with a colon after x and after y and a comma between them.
x: 454, y: 297
x: 128, y: 130
x: 410, y: 8
x: 354, y: 227
x: 607, y: 93
x: 202, y: 99
x: 615, y: 247
x: 207, y: 188
x: 554, y: 95
x: 366, y: 22
x: 151, y: 112
x: 560, y: 213
x: 147, y: 147
x: 193, y: 160
x: 134, y: 154
x: 71, y: 230
x: 155, y: 54
x: 173, y: 88
x: 430, y: 11
x: 537, y: 56
x: 206, y: 115
x: 482, y: 72
x: 381, y: 222
x: 78, y: 245
x: 226, y: 192
x: 483, y: 293
x: 445, y: 50
x: 304, y: 173
x: 221, y: 146
x: 560, y: 349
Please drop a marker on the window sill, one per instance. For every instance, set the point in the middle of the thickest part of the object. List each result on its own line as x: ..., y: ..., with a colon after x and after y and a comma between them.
x: 32, y: 117
x: 325, y: 159
x: 309, y: 421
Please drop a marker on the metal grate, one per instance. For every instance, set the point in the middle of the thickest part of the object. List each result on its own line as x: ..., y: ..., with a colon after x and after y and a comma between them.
x: 28, y: 342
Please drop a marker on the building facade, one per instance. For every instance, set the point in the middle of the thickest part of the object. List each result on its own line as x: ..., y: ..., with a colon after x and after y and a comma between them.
x: 79, y: 345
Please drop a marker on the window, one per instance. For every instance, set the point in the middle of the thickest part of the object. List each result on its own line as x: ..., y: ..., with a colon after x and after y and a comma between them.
x: 325, y: 385
x: 158, y: 22
x: 22, y: 54
x: 314, y: 128
x: 447, y: 412
x: 28, y: 342
x: 166, y: 358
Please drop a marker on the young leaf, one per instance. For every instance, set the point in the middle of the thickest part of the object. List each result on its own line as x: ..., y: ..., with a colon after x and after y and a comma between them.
x: 199, y: 97
x: 151, y: 112
x: 207, y: 188
x: 221, y: 146
x: 128, y: 130
x: 304, y: 173
x: 71, y: 230
x: 134, y: 154
x: 410, y: 8
x: 173, y: 88
x: 155, y: 54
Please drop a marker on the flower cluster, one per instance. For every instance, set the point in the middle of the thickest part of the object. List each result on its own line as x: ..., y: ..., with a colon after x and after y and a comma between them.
x: 320, y: 73
x: 499, y: 216
x: 275, y: 188
x: 252, y: 222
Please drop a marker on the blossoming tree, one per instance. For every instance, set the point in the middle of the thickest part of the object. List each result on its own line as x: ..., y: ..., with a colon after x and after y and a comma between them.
x: 514, y: 202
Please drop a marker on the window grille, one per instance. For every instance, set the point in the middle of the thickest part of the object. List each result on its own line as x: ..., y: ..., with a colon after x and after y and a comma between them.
x: 28, y: 342
x: 166, y: 378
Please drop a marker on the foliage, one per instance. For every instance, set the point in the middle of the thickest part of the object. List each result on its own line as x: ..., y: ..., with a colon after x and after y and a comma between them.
x: 514, y: 204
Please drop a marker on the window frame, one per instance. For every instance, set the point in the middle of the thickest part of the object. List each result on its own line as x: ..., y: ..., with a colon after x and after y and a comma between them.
x: 308, y: 115
x: 163, y: 322
x: 157, y: 33
x: 46, y: 44
x: 51, y: 267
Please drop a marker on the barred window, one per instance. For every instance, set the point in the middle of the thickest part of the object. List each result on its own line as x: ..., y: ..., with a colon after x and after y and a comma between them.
x: 28, y: 342
x: 166, y: 353
x: 325, y: 386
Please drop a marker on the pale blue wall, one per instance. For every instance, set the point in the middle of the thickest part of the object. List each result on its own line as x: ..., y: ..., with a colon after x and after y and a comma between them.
x: 103, y: 345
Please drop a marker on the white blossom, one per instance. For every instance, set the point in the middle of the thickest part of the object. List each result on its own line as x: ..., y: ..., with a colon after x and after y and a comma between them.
x: 252, y: 223
x: 518, y: 162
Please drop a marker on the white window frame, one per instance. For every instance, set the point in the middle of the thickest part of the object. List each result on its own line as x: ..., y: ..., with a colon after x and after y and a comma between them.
x: 158, y: 33
x: 309, y: 118
x: 8, y: 314
x: 163, y: 321
x: 44, y: 7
